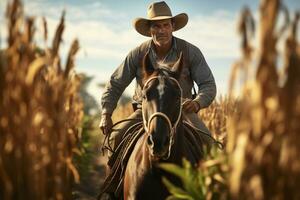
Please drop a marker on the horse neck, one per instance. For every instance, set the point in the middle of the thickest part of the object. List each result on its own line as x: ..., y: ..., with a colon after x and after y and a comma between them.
x: 177, y: 149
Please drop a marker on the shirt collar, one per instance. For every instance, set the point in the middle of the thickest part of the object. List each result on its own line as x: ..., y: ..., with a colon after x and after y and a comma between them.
x: 173, y: 47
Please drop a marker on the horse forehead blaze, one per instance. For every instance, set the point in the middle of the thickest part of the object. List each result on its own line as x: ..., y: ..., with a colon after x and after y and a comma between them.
x: 161, y: 86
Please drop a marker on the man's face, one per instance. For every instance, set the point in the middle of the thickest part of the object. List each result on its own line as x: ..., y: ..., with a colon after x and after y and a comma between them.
x: 161, y: 32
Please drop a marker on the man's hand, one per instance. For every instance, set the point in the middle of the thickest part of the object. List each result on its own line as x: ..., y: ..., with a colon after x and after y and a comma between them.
x: 190, y: 106
x: 106, y: 123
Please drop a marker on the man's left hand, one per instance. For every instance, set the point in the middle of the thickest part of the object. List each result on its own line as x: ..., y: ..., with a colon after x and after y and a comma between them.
x: 190, y: 106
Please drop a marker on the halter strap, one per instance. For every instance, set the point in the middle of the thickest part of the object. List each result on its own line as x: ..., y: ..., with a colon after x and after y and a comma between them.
x: 164, y: 116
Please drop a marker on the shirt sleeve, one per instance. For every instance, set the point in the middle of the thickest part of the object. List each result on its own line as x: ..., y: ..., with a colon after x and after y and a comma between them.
x: 203, y: 77
x: 118, y: 82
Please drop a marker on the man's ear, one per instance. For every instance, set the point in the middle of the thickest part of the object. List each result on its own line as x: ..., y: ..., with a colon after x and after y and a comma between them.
x: 148, y: 68
x: 177, y: 67
x: 173, y: 26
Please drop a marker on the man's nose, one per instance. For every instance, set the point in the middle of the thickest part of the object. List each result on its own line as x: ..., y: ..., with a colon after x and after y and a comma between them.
x: 161, y: 30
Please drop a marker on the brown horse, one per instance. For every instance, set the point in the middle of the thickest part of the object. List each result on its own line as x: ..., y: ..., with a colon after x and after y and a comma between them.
x: 163, y: 140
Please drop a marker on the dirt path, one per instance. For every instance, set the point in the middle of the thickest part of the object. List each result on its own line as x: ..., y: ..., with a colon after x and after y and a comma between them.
x: 89, y: 186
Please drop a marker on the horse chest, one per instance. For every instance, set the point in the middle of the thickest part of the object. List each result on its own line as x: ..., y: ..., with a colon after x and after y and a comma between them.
x: 143, y: 181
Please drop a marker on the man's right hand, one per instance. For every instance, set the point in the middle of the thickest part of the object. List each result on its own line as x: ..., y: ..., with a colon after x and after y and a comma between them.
x: 106, y: 123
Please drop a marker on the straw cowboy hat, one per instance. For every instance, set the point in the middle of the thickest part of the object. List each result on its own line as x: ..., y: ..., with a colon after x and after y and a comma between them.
x: 159, y: 11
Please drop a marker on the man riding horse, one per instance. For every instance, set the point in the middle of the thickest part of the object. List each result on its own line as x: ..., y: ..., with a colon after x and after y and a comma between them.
x: 162, y: 49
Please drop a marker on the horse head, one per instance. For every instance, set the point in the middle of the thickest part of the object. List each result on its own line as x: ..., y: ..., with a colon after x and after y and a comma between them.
x: 161, y: 105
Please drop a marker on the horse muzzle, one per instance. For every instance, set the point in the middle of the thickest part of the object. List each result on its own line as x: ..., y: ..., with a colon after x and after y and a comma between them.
x: 158, y: 148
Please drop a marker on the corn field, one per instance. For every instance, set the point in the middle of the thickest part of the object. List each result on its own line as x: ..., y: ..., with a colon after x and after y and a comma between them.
x: 41, y: 112
x: 263, y: 141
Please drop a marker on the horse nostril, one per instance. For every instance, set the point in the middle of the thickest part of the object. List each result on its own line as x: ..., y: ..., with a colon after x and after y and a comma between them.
x: 150, y: 141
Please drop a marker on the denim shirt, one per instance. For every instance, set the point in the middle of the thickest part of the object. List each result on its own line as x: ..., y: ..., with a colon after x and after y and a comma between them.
x: 198, y: 71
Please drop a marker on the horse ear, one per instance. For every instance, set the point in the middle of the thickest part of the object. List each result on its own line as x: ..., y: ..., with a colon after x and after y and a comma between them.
x: 148, y: 68
x: 177, y: 67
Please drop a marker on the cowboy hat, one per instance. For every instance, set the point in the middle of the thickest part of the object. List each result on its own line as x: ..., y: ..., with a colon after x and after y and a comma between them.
x: 159, y: 11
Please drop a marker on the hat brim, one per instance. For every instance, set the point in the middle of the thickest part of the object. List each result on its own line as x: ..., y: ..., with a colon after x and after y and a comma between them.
x: 142, y: 25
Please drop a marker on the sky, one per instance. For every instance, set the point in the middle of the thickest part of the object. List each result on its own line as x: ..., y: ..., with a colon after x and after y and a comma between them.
x: 106, y: 35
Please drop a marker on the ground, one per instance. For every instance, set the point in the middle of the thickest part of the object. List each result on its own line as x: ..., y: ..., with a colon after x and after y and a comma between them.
x: 90, y: 184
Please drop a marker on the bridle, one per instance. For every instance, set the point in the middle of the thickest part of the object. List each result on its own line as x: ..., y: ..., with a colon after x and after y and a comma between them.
x: 172, y: 128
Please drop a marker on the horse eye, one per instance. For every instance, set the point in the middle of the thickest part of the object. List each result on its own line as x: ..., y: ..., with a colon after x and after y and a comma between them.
x: 144, y: 95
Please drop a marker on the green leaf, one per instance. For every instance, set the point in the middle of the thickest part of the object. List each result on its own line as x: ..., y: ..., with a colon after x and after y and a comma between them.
x: 176, y: 191
x: 188, y: 176
x: 171, y: 198
x: 174, y: 169
x: 186, y: 164
x: 201, y: 183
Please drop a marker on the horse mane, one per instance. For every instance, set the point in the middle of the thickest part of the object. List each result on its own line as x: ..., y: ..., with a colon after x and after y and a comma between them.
x: 171, y: 69
x: 165, y: 69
